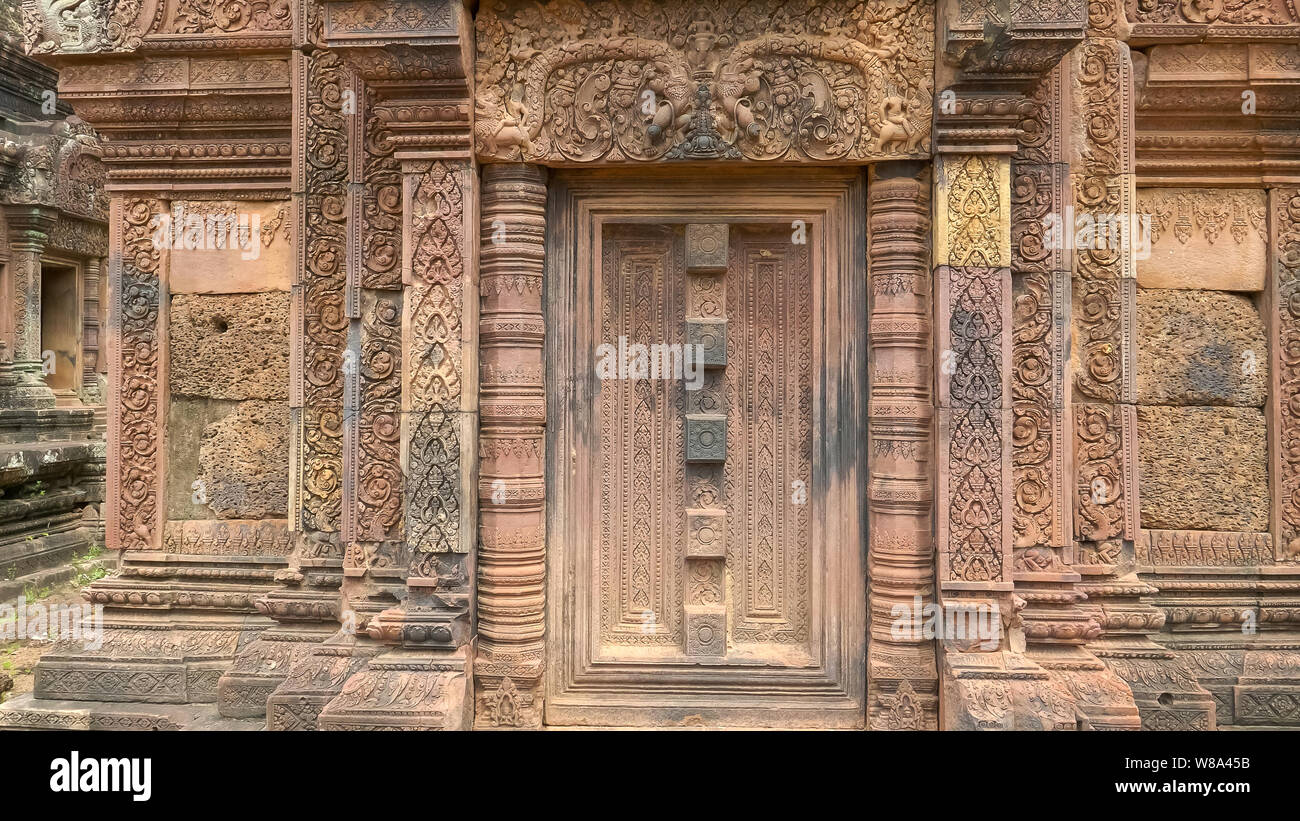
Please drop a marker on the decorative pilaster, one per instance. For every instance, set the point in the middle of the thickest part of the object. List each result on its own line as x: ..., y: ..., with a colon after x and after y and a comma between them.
x: 512, y: 552
x: 1284, y: 302
x: 92, y: 392
x: 987, y: 681
x: 29, y: 227
x: 1055, y: 627
x: 416, y: 349
x: 903, y: 678
x: 1104, y: 392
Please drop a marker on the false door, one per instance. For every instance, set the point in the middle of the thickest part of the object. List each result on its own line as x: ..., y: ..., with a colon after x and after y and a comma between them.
x: 705, y: 530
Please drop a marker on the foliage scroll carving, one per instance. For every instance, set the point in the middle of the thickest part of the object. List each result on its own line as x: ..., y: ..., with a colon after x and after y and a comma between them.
x: 773, y: 80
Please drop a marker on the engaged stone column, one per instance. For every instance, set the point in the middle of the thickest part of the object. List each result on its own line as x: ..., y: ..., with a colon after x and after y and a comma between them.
x: 512, y: 551
x: 902, y: 676
x: 29, y: 228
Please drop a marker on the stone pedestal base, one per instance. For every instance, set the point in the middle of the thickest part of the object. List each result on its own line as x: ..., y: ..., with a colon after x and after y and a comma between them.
x: 508, y: 691
x: 902, y: 689
x: 263, y: 666
x: 1002, y: 691
x: 1167, y: 697
x: 161, y: 660
x: 315, y: 680
x: 1102, y: 699
x: 405, y: 690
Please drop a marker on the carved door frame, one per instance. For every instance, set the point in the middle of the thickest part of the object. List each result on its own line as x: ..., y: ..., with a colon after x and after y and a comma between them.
x: 831, y: 200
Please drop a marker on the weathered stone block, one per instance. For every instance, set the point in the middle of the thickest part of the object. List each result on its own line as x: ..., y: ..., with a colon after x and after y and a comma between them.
x: 231, y: 247
x: 1204, y: 238
x: 231, y: 346
x: 227, y: 460
x: 1199, y: 348
x: 1203, y: 468
x: 244, y: 461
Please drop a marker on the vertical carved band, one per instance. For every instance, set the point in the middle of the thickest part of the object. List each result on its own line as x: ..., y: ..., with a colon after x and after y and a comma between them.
x: 439, y: 431
x: 372, y: 524
x: 26, y: 242
x: 512, y: 550
x: 974, y: 337
x: 903, y: 679
x: 135, y: 422
x: 1104, y: 307
x: 1284, y: 211
x: 1040, y: 282
x: 91, y: 333
x: 316, y: 386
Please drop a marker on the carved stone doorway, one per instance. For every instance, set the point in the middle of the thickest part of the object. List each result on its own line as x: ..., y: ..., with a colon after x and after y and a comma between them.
x: 706, y: 533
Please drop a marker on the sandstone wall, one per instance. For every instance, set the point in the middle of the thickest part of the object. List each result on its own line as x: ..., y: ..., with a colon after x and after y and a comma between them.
x: 1202, y: 362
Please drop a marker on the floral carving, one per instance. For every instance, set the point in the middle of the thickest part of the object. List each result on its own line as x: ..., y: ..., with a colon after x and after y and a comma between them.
x: 136, y: 423
x: 786, y: 80
x: 324, y: 332
x: 975, y: 447
x: 436, y: 295
x: 1286, y: 298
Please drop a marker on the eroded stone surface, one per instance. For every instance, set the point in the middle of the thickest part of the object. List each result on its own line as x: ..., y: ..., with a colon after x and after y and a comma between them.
x: 244, y: 462
x: 1200, y: 348
x: 229, y: 247
x: 1203, y: 468
x: 227, y: 460
x: 232, y: 346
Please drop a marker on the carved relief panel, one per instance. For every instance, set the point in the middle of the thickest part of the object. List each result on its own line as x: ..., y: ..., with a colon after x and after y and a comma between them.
x: 786, y: 80
x: 706, y: 520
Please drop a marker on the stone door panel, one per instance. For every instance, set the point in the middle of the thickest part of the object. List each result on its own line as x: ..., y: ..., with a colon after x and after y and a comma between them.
x: 709, y: 556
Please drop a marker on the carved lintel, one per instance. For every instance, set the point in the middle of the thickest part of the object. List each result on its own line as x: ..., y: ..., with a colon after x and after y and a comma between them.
x: 790, y: 81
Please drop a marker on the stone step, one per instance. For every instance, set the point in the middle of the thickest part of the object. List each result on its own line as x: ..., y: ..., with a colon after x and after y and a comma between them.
x: 26, y: 712
x: 12, y: 589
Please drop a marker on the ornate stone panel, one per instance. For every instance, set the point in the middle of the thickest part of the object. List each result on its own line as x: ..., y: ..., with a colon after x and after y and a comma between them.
x: 136, y: 330
x: 789, y: 80
x: 1284, y: 298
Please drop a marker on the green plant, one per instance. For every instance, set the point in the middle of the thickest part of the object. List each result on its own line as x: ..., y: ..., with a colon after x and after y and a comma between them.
x: 85, y: 577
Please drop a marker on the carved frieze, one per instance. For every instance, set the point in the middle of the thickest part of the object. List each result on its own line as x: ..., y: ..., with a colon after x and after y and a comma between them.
x: 1157, y: 20
x: 100, y: 26
x: 789, y: 80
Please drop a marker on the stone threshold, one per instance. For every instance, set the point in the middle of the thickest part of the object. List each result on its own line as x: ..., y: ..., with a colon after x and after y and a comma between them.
x: 26, y: 712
